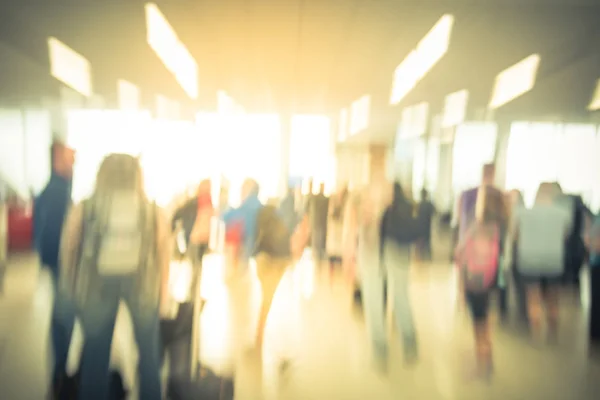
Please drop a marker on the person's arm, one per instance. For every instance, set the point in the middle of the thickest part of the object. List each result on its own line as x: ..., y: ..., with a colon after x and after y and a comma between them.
x: 69, y: 246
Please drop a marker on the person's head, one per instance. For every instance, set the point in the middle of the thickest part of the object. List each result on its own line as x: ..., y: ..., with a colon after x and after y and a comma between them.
x: 490, y: 206
x: 515, y: 197
x: 62, y: 159
x: 119, y: 172
x: 311, y: 184
x: 547, y: 193
x: 204, y: 188
x: 398, y: 195
x: 321, y: 188
x: 424, y: 195
x: 250, y: 188
x: 488, y: 175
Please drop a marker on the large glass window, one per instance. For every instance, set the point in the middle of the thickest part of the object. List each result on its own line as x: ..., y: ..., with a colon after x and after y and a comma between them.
x: 577, y: 160
x: 474, y: 146
x: 310, y: 148
x: 532, y: 157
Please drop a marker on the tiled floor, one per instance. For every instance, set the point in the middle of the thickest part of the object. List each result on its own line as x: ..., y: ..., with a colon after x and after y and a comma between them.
x: 315, y: 326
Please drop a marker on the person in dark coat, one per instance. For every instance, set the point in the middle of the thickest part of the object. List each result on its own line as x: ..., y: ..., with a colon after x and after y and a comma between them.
x: 50, y: 210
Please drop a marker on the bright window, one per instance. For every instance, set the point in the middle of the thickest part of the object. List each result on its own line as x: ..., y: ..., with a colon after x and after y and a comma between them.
x: 129, y: 95
x: 577, y: 160
x: 455, y: 108
x: 474, y: 146
x: 310, y: 148
x: 359, y: 114
x: 532, y: 157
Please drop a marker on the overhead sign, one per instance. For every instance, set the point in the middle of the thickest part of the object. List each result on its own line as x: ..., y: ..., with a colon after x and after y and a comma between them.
x: 70, y: 67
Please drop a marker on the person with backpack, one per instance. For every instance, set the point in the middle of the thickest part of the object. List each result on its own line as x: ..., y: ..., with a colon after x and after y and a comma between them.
x: 478, y: 257
x: 541, y: 234
x: 400, y: 230
x: 466, y: 208
x: 265, y: 237
x: 50, y: 210
x: 115, y: 247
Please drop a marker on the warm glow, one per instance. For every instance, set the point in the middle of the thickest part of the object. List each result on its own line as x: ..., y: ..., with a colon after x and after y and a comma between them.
x: 164, y: 41
x: 343, y: 125
x: 70, y: 67
x: 227, y: 105
x: 310, y: 147
x: 455, y: 108
x: 595, y: 103
x: 422, y: 59
x: 97, y: 133
x: 167, y: 108
x: 359, y: 114
x: 129, y: 95
x: 474, y: 146
x: 515, y: 81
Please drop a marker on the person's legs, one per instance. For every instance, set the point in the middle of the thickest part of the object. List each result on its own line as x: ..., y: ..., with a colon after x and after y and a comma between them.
x: 479, y: 306
x: 98, y: 321
x: 270, y: 270
x: 534, y: 306
x: 551, y: 299
x: 521, y: 296
x: 61, y: 328
x: 145, y: 318
x: 398, y: 270
x: 372, y: 281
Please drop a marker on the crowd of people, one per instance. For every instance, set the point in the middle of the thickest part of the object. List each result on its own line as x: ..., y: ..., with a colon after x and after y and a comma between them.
x: 117, y: 244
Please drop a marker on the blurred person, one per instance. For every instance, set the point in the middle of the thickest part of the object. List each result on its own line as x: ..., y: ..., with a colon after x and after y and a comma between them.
x: 335, y: 225
x: 466, y: 207
x: 399, y: 231
x: 516, y: 203
x: 426, y: 213
x: 50, y: 210
x: 115, y: 247
x: 318, y: 209
x: 267, y: 238
x: 540, y: 234
x: 288, y: 209
x: 593, y: 244
x: 478, y: 257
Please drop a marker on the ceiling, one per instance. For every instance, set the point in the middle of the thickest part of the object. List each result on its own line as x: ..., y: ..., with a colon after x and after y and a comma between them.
x: 316, y: 56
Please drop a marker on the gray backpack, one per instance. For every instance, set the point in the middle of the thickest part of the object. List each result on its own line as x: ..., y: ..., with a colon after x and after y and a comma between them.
x: 118, y: 232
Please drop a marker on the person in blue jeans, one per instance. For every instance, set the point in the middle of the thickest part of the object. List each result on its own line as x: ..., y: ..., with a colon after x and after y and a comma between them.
x: 115, y: 247
x: 50, y: 209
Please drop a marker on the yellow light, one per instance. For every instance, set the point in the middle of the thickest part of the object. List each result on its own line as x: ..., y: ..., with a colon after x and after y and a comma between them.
x: 515, y: 81
x: 421, y: 60
x: 595, y: 103
x: 70, y: 67
x: 164, y: 41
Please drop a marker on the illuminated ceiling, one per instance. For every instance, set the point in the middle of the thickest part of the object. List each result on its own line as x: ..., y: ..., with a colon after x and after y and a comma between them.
x: 320, y: 55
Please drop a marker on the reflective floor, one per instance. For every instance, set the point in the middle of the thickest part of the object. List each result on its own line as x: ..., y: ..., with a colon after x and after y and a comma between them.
x: 316, y: 328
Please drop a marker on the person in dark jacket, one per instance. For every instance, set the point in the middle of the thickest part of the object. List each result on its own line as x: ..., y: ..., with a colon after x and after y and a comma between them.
x: 50, y: 210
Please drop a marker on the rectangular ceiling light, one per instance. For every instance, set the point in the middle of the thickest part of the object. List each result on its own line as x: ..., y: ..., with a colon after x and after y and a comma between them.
x: 421, y: 60
x: 70, y: 67
x: 455, y: 108
x: 515, y: 81
x: 129, y: 95
x: 164, y: 41
x: 595, y: 103
x: 359, y: 114
x: 343, y: 125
